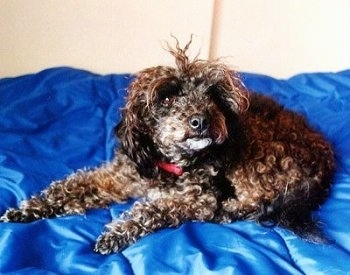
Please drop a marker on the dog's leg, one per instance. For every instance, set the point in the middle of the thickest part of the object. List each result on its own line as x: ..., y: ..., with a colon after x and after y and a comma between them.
x: 145, y: 218
x: 113, y: 182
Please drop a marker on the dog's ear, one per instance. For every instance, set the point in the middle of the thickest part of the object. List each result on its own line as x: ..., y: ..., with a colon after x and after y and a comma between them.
x: 134, y: 134
x: 229, y: 91
x: 138, y: 146
x: 231, y: 97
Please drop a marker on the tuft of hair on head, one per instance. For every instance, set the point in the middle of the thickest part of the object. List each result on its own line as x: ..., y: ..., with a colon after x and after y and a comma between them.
x: 182, y: 60
x: 214, y: 72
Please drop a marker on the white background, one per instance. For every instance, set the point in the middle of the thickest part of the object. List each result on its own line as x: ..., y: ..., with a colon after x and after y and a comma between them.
x: 276, y: 37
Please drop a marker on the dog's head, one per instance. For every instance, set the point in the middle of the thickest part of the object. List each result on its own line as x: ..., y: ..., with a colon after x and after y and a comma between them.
x: 179, y: 114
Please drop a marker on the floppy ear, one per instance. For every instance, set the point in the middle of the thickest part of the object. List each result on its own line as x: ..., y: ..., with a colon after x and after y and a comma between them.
x: 232, y: 98
x: 232, y: 92
x: 138, y: 146
x: 134, y: 134
x: 228, y: 93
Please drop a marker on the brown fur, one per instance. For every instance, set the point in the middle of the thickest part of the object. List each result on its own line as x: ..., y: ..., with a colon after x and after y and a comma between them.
x: 241, y: 156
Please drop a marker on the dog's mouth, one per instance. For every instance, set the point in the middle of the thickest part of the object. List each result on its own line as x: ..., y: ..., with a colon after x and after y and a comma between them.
x: 195, y: 144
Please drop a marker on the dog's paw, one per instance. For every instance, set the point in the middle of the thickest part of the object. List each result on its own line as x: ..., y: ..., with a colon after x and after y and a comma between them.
x: 12, y: 215
x: 18, y: 215
x: 110, y: 242
x: 120, y: 234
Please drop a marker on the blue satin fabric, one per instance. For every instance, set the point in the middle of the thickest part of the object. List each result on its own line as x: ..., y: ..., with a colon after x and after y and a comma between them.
x: 62, y: 119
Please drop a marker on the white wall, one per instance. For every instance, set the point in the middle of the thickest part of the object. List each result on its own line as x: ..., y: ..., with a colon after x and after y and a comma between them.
x: 274, y: 37
x: 100, y: 35
x: 282, y: 37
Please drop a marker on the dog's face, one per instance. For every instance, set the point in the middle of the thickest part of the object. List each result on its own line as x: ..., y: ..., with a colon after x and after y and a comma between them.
x: 179, y: 114
x: 185, y: 120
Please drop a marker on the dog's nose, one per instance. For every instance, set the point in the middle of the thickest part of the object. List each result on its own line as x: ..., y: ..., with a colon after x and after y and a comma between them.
x: 199, y: 123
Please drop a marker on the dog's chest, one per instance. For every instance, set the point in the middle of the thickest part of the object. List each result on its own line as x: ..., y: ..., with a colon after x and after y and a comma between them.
x: 191, y: 183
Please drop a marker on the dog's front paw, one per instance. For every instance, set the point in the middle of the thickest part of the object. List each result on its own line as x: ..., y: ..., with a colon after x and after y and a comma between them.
x: 110, y: 242
x: 23, y: 215
x: 13, y: 215
x: 119, y: 235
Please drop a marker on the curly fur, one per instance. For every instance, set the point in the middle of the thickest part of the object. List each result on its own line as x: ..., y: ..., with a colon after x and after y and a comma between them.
x: 238, y: 155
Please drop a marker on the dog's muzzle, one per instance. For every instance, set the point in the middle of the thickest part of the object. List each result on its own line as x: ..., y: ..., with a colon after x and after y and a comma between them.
x: 200, y: 126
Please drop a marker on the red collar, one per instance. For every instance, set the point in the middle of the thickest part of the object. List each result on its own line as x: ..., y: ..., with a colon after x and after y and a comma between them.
x: 171, y: 168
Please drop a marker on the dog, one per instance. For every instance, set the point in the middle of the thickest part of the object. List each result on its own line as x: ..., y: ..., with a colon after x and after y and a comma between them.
x: 196, y: 145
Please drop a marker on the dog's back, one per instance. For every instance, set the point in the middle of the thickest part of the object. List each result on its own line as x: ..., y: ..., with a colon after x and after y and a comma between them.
x: 286, y: 168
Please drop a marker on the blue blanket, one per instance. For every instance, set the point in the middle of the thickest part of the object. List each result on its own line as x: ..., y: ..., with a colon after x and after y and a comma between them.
x: 62, y: 119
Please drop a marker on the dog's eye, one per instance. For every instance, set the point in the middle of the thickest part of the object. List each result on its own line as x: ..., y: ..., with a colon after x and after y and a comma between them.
x: 167, y: 94
x: 168, y: 101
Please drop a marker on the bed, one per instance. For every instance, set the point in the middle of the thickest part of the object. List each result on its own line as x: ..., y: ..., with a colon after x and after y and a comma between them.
x: 61, y: 119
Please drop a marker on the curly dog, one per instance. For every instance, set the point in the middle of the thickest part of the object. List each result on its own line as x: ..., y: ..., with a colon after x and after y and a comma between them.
x: 197, y: 146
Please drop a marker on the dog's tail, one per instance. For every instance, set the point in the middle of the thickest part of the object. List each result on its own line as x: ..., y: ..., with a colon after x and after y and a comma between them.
x: 304, y: 224
x: 297, y: 217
